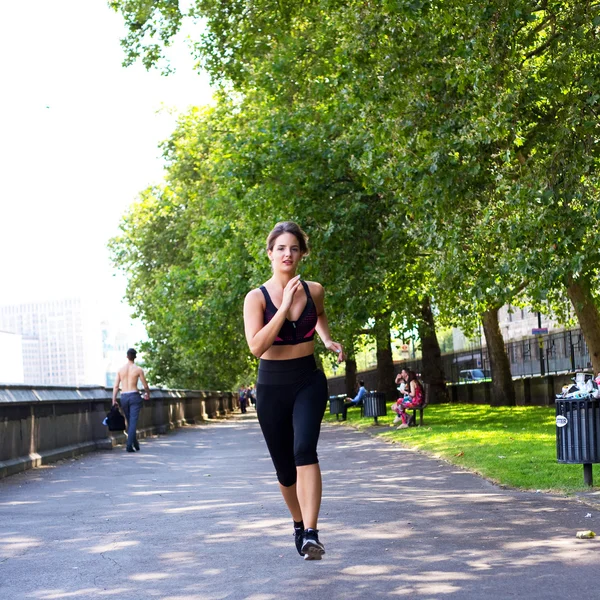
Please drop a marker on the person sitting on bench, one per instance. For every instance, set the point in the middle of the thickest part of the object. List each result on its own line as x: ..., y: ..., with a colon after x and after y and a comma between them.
x: 357, y: 400
x: 413, y: 398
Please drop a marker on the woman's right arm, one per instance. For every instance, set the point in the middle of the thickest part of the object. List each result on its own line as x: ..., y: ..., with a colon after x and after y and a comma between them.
x: 260, y: 337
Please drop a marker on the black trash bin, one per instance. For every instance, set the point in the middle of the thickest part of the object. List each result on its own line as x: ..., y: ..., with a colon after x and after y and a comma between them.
x: 578, y: 433
x: 336, y: 405
x: 375, y: 405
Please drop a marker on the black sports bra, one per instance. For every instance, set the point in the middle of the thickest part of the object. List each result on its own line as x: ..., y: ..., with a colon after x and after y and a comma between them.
x: 293, y: 332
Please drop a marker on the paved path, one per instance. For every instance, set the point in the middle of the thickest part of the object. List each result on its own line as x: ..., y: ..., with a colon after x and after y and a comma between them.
x: 197, y: 515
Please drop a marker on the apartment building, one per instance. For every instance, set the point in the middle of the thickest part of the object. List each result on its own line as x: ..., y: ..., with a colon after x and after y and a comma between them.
x: 11, y: 358
x: 61, y: 341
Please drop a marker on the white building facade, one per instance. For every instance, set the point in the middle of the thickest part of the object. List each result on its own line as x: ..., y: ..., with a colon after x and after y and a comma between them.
x: 11, y: 358
x: 515, y: 324
x: 61, y: 341
x: 518, y: 323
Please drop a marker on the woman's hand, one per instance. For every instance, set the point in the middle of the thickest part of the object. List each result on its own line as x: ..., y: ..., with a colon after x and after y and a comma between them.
x: 288, y: 293
x: 335, y: 347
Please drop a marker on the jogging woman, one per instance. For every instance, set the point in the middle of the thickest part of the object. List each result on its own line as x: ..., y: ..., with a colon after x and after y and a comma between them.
x: 280, y: 319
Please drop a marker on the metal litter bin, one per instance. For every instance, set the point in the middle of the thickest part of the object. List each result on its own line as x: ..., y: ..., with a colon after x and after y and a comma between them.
x: 336, y: 406
x: 375, y: 405
x: 578, y: 433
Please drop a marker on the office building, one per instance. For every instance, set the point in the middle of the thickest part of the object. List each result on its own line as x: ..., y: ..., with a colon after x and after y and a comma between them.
x: 11, y: 358
x: 61, y: 341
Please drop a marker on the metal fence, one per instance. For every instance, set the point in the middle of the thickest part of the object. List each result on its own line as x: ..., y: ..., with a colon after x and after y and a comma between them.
x: 552, y: 353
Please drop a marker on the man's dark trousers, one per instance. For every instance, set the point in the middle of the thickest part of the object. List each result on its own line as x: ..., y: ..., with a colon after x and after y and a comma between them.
x: 131, y: 403
x: 348, y: 405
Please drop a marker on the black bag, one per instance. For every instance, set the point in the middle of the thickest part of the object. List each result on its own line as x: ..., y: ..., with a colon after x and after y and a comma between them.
x: 115, y: 420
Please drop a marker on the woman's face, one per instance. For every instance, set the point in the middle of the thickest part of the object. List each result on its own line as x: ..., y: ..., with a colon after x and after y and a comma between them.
x: 286, y: 253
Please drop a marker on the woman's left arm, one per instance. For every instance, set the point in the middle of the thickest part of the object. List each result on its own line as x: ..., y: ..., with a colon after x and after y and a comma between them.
x: 413, y: 389
x: 318, y: 294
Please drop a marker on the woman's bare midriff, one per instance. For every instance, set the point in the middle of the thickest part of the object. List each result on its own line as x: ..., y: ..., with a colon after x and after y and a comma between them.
x: 289, y: 352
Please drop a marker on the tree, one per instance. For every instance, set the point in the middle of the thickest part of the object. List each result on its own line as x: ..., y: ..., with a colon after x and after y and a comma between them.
x: 486, y: 136
x: 231, y: 170
x: 188, y: 265
x: 497, y: 124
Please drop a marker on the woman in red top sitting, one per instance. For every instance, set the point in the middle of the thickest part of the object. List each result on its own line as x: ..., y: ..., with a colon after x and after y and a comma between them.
x: 413, y: 397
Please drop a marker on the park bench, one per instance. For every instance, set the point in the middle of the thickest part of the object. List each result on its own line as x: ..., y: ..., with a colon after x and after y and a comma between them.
x: 336, y: 406
x: 420, y: 409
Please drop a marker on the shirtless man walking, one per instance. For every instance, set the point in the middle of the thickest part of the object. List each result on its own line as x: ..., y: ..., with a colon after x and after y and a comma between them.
x: 131, y: 400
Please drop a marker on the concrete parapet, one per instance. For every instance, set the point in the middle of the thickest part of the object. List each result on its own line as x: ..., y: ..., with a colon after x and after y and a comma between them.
x: 41, y: 424
x: 212, y: 404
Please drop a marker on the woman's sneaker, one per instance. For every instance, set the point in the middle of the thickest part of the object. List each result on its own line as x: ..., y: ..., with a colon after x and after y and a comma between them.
x: 397, y: 419
x: 299, y: 539
x: 312, y: 547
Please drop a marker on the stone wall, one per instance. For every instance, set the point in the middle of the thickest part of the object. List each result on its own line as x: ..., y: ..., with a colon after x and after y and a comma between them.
x: 41, y: 424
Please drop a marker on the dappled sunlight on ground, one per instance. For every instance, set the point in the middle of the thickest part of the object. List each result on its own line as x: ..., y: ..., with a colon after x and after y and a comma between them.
x: 197, y: 515
x: 148, y: 576
x: 14, y: 545
x: 57, y: 594
x: 114, y: 546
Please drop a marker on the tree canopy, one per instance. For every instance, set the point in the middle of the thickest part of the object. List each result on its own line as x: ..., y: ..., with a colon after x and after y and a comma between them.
x: 439, y: 150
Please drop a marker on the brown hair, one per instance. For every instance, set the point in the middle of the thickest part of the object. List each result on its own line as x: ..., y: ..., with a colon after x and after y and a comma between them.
x: 288, y: 227
x: 412, y: 376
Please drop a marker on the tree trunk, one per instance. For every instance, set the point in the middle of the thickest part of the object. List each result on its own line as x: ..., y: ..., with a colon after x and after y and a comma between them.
x: 433, y: 369
x: 385, y: 361
x: 503, y: 388
x: 350, y: 379
x: 579, y: 291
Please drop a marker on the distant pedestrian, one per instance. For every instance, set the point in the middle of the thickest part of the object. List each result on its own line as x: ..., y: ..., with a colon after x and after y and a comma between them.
x: 280, y: 320
x: 243, y: 399
x: 131, y: 400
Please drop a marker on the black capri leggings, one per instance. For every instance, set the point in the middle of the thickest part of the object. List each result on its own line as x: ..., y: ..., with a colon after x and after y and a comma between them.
x: 291, y: 396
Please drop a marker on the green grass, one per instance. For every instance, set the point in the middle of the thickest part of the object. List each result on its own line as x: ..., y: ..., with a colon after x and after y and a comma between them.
x: 512, y: 446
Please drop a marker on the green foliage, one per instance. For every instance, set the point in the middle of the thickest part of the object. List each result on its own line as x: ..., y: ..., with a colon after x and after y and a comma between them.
x: 442, y: 150
x: 445, y: 340
x: 151, y: 25
x: 195, y: 248
x: 188, y: 265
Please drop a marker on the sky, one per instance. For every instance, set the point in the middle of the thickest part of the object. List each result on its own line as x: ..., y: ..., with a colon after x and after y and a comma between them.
x: 79, y: 138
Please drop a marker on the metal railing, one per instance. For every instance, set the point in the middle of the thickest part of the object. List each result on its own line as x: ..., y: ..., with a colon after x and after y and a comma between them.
x: 553, y: 353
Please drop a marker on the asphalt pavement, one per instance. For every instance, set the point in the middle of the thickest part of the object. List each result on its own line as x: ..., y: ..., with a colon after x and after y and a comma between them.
x: 197, y: 515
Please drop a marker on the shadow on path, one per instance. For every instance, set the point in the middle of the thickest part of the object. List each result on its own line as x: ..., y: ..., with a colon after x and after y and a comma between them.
x: 197, y: 515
